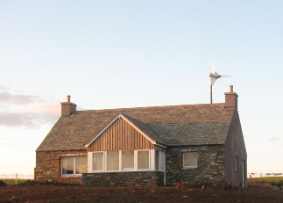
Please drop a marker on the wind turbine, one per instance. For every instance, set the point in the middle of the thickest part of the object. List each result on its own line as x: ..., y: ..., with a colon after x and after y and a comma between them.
x: 214, y: 76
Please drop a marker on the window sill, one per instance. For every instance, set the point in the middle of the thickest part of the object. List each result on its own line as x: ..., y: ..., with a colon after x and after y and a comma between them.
x: 128, y: 171
x: 71, y: 175
x: 189, y: 167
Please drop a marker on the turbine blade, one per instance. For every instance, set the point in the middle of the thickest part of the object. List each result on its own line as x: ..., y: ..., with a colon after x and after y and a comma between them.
x: 213, y: 67
x: 225, y: 76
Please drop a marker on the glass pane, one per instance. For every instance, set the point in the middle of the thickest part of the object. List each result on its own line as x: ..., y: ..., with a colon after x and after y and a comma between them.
x: 81, y: 165
x: 127, y: 160
x: 112, y: 161
x: 97, y: 161
x: 190, y: 159
x: 143, y: 159
x: 67, y: 165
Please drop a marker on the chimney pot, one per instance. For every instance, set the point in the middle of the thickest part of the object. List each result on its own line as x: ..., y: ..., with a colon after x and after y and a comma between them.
x: 68, y: 98
x: 231, y: 88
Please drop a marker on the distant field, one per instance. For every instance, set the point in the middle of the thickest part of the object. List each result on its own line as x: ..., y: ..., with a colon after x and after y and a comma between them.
x: 272, y: 180
x: 12, y: 181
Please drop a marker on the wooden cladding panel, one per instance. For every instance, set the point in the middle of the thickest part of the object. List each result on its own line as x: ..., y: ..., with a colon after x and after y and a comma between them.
x: 120, y: 136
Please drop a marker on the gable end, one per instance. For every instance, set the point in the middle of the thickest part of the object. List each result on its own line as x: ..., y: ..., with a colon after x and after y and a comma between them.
x: 120, y: 134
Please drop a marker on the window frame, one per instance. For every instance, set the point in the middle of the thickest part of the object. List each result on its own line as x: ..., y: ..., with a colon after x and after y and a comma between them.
x: 137, y: 159
x: 121, y: 161
x: 135, y: 168
x: 106, y: 160
x: 190, y: 167
x: 74, y: 166
x: 103, y: 162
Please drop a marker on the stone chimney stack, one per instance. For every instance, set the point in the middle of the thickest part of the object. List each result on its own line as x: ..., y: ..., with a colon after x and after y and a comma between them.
x: 231, y: 99
x: 67, y: 108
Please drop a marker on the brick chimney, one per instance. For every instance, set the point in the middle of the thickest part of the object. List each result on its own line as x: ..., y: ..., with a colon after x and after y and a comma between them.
x: 231, y: 99
x: 67, y: 108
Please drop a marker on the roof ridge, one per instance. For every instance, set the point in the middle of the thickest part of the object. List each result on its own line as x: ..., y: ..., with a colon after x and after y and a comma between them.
x: 151, y: 107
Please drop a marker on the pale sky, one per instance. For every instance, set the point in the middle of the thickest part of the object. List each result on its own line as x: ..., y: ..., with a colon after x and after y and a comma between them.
x: 113, y: 54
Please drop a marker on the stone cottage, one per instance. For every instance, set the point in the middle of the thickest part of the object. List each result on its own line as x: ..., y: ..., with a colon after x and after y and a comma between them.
x: 145, y: 146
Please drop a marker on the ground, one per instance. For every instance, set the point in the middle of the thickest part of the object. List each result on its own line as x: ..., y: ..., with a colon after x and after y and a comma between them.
x: 84, y: 194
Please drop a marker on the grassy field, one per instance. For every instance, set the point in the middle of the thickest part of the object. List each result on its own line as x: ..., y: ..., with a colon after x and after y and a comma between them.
x: 272, y: 180
x: 13, y: 181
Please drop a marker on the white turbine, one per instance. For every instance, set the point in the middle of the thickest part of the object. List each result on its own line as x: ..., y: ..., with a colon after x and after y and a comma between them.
x: 214, y: 76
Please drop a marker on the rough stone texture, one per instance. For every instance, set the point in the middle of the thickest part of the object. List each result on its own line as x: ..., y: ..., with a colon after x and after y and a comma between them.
x: 124, y: 179
x: 211, y: 165
x: 48, y: 166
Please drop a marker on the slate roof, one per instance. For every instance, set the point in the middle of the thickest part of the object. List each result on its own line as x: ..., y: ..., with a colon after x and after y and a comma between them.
x: 202, y: 124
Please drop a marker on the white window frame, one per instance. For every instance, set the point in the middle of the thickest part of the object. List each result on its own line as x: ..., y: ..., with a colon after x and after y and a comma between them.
x: 103, y: 162
x: 74, y: 166
x: 119, y: 158
x: 136, y: 158
x: 190, y: 167
x: 151, y: 159
x: 121, y: 161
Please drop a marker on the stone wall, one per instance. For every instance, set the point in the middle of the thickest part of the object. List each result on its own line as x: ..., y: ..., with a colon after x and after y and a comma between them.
x: 210, y: 165
x: 124, y: 179
x: 48, y: 166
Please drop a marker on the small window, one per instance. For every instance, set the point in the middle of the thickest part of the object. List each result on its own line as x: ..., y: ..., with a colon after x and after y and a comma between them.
x: 97, y: 161
x: 236, y: 164
x: 190, y: 160
x: 74, y: 165
x: 143, y: 159
x: 127, y: 160
x: 113, y: 161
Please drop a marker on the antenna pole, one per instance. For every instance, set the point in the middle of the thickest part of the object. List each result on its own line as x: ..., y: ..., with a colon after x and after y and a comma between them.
x: 211, y: 94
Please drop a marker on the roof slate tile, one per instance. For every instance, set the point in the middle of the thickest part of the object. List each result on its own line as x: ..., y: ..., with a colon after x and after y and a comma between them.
x: 169, y: 125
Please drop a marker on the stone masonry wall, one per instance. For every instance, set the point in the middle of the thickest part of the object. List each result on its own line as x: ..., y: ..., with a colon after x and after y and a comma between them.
x: 210, y: 165
x: 124, y: 179
x: 48, y: 166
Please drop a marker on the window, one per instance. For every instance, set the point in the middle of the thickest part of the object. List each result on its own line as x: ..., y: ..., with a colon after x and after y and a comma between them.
x: 236, y: 164
x: 113, y: 161
x: 73, y: 165
x: 130, y: 160
x: 97, y: 161
x: 190, y: 160
x: 127, y: 160
x: 143, y: 159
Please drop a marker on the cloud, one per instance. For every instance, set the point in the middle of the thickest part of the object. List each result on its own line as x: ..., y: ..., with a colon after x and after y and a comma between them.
x: 29, y: 111
x: 18, y: 99
x: 274, y: 139
x: 29, y: 120
x: 3, y: 88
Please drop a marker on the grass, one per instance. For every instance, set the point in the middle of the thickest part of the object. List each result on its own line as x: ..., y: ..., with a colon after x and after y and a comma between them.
x: 272, y: 180
x: 11, y: 181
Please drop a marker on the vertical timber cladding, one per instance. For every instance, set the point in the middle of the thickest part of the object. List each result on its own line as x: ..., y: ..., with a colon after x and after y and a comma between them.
x: 120, y: 136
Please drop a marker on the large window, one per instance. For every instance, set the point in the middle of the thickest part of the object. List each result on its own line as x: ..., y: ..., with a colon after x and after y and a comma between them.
x: 113, y: 161
x: 143, y: 159
x: 190, y: 160
x: 130, y: 160
x: 127, y: 160
x: 97, y: 161
x: 73, y: 165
